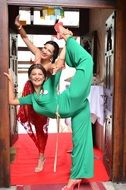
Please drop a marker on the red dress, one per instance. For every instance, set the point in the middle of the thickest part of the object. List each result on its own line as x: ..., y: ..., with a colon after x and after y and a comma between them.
x: 35, y: 124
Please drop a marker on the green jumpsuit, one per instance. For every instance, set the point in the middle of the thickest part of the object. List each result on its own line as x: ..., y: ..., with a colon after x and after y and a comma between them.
x: 73, y: 103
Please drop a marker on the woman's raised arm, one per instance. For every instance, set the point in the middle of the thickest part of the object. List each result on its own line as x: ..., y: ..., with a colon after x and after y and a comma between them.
x: 35, y: 50
x: 12, y: 99
x: 60, y: 62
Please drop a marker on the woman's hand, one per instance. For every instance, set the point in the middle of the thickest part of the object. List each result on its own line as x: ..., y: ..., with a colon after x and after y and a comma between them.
x: 9, y: 75
x: 59, y: 65
x: 17, y: 21
x: 12, y: 99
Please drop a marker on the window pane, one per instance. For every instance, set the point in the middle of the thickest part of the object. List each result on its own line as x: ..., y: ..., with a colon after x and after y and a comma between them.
x: 71, y: 18
x: 25, y: 15
x: 50, y: 20
x: 39, y: 21
x: 25, y: 56
x: 40, y: 40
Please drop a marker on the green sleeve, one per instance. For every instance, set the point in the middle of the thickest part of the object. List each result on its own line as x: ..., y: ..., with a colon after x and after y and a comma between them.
x: 25, y: 99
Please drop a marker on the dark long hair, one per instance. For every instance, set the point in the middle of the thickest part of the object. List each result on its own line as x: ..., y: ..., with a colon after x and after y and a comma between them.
x: 56, y: 49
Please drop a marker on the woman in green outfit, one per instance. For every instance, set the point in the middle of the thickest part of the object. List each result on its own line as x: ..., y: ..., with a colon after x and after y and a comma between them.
x: 73, y: 103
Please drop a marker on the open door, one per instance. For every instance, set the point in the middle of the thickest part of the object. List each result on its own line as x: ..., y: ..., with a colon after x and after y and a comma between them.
x: 108, y: 91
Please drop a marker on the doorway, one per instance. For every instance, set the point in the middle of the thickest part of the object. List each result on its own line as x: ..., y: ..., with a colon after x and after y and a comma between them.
x: 95, y: 15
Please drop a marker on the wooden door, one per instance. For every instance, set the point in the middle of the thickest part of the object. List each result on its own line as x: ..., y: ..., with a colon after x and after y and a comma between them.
x: 108, y: 91
x: 4, y: 107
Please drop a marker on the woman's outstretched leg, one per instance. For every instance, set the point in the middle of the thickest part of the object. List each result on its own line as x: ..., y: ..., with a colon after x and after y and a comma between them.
x: 82, y: 154
x: 75, y: 99
x: 79, y: 89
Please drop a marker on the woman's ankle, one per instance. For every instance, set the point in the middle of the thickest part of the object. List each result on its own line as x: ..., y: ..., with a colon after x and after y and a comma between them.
x: 41, y: 156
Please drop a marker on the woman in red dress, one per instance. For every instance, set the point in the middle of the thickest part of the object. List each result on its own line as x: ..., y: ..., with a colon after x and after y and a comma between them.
x: 26, y: 115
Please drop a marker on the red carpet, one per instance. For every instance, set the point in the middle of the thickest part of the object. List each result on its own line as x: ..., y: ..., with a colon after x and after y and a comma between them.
x: 22, y: 169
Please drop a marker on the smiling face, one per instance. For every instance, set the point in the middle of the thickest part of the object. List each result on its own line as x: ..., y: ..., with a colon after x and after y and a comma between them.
x: 37, y: 78
x: 47, y: 52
